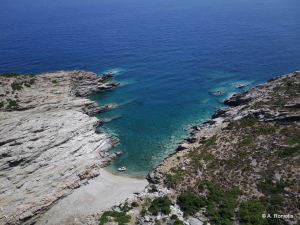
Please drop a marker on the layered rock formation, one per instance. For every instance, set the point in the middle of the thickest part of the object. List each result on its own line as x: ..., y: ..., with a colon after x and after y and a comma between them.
x: 48, y: 143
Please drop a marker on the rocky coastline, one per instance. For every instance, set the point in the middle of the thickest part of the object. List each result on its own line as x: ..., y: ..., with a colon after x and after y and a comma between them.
x: 48, y: 143
x: 249, y: 148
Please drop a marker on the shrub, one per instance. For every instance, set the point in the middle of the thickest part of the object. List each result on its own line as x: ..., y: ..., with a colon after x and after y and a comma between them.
x: 1, y: 104
x: 143, y: 212
x: 287, y: 151
x: 157, y: 222
x: 281, y: 103
x: 12, y: 103
x: 119, y: 217
x: 230, y: 125
x: 27, y: 85
x: 177, y: 221
x: 134, y: 204
x: 190, y: 203
x: 32, y: 81
x: 293, y: 140
x: 250, y: 213
x: 16, y: 74
x: 245, y: 142
x: 233, y: 193
x: 126, y: 207
x: 153, y: 187
x: 16, y: 86
x: 160, y: 203
x: 54, y: 81
x: 172, y: 180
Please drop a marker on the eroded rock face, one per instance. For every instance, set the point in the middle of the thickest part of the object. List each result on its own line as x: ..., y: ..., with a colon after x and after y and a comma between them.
x: 48, y: 144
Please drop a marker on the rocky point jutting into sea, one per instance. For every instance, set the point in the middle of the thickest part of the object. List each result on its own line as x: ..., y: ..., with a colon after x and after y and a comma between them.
x: 48, y: 143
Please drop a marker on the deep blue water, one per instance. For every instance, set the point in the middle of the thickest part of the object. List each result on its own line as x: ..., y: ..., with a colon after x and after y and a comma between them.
x: 170, y: 56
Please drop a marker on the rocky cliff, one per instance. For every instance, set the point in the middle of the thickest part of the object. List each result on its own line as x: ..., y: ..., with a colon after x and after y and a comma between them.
x: 48, y: 143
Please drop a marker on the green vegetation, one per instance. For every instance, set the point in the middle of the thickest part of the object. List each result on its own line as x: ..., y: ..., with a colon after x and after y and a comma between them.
x: 7, y: 92
x: 157, y: 222
x: 250, y: 213
x: 278, y: 88
x: 143, y: 212
x: 16, y: 86
x: 230, y: 126
x: 280, y: 103
x: 153, y: 187
x: 54, y: 81
x: 147, y: 203
x: 119, y: 217
x: 190, y: 203
x: 288, y: 151
x: 177, y: 221
x: 15, y: 74
x: 126, y: 207
x: 173, y: 180
x: 1, y: 104
x: 12, y: 103
x: 160, y: 204
x: 245, y: 107
x: 134, y: 204
x: 220, y: 213
x: 27, y: 85
x: 32, y: 81
x: 244, y: 142
x: 293, y: 140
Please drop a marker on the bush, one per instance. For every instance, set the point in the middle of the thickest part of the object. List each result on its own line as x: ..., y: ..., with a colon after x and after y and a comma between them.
x: 143, y: 212
x: 233, y: 193
x: 190, y: 203
x: 287, y: 151
x: 160, y: 204
x: 1, y: 104
x: 126, y: 207
x: 230, y: 125
x: 173, y: 180
x: 16, y: 86
x: 153, y: 187
x: 32, y: 81
x: 244, y: 142
x: 15, y: 74
x: 27, y: 85
x: 134, y: 204
x: 12, y: 103
x: 177, y: 221
x: 119, y: 217
x: 250, y: 213
x: 54, y: 82
x: 293, y: 140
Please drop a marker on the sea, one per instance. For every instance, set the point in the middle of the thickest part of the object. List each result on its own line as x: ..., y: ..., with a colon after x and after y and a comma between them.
x: 176, y: 60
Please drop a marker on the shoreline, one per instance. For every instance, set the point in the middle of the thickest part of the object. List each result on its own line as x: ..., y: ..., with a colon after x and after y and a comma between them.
x: 102, y: 192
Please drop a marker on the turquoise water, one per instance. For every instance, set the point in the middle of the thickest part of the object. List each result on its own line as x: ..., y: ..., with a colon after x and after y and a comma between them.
x: 170, y: 56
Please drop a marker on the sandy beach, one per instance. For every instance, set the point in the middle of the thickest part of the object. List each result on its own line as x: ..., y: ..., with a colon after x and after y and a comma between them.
x: 102, y: 192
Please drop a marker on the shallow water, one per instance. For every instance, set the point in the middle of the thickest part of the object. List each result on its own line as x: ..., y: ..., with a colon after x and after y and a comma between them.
x: 170, y: 56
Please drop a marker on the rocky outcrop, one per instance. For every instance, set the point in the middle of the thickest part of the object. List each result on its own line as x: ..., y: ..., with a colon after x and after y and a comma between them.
x: 48, y: 143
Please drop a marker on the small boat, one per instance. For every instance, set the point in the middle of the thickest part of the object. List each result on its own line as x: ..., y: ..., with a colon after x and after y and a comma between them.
x: 123, y: 168
x: 241, y: 86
